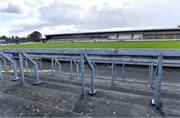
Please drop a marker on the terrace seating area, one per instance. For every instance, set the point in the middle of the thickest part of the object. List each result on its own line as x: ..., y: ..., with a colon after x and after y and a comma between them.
x: 86, y: 87
x: 59, y: 96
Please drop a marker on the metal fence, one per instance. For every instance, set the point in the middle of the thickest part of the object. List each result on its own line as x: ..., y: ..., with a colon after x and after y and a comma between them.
x: 80, y: 57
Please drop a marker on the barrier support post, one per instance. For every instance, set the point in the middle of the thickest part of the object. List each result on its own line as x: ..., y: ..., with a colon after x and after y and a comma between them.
x: 157, y: 87
x: 82, y: 76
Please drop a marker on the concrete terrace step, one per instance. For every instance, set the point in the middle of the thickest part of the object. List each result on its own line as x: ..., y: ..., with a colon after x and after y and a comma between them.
x: 121, y: 94
x: 167, y: 85
x: 169, y: 92
x: 124, y: 87
x: 66, y: 96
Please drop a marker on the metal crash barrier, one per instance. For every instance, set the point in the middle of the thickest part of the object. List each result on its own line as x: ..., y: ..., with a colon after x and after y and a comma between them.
x: 13, y: 65
x: 80, y: 57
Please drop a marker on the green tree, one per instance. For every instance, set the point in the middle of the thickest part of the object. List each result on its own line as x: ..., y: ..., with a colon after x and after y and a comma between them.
x: 35, y: 36
x: 6, y: 39
x: 16, y: 39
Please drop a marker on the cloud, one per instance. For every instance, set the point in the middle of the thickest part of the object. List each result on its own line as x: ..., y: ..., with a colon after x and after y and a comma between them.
x: 12, y: 8
x: 132, y: 13
x: 59, y: 16
x: 106, y: 17
x: 93, y: 18
x: 27, y: 27
x: 153, y: 13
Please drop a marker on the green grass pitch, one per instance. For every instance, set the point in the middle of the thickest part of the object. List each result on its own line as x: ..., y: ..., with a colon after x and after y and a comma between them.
x: 105, y: 45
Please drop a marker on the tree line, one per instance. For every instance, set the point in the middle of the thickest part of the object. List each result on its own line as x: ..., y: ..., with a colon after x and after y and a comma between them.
x: 35, y: 36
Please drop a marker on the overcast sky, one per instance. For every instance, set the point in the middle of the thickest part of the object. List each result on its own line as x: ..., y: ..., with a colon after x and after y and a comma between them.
x: 21, y: 17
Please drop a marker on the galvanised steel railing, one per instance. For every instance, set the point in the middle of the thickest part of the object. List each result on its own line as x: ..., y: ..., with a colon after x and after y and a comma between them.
x: 93, y: 56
